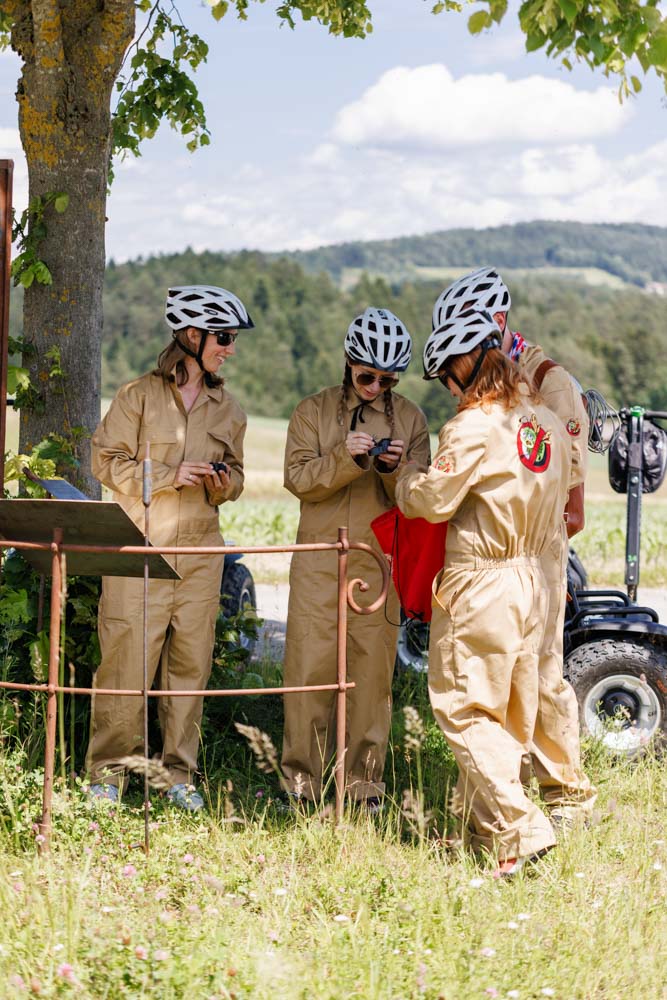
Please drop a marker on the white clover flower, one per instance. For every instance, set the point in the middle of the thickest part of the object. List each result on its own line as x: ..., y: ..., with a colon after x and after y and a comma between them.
x: 475, y: 883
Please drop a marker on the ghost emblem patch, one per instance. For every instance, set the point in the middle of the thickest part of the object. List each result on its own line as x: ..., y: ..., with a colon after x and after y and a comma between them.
x: 573, y: 428
x: 443, y: 464
x: 532, y: 443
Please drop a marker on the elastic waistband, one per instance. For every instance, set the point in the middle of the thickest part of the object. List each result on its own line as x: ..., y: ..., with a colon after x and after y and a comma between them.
x: 476, y: 562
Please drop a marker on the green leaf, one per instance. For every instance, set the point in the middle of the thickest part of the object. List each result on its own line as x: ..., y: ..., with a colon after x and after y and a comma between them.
x: 17, y: 377
x: 636, y: 84
x: 61, y: 202
x: 570, y: 9
x: 220, y: 9
x: 478, y: 21
x: 657, y: 50
x: 535, y: 41
x: 27, y: 277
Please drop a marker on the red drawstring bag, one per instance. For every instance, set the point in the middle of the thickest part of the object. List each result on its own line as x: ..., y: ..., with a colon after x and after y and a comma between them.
x: 416, y: 549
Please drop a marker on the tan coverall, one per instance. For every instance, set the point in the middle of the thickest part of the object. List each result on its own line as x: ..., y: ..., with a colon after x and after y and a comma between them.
x: 556, y: 757
x: 503, y: 495
x: 182, y: 613
x: 337, y: 491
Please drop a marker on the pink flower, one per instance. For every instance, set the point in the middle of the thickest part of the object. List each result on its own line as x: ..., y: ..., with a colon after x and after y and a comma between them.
x: 140, y: 952
x: 161, y: 955
x: 40, y: 839
x: 129, y: 871
x: 17, y: 981
x: 487, y: 953
x: 161, y: 894
x: 259, y: 794
x: 92, y: 827
x: 491, y: 991
x: 66, y: 972
x: 188, y: 859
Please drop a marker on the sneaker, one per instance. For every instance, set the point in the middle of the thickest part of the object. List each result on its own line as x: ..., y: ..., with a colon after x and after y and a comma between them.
x: 509, y: 867
x: 185, y: 797
x: 372, y: 805
x: 104, y: 793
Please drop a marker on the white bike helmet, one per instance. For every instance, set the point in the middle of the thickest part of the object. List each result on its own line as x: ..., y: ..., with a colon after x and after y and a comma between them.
x: 460, y: 336
x: 378, y: 339
x: 483, y: 289
x: 206, y: 308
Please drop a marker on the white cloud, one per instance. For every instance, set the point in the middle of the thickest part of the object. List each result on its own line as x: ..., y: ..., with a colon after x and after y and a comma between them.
x: 427, y: 108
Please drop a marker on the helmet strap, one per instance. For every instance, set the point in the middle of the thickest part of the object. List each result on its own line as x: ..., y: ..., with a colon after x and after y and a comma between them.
x: 487, y: 344
x: 197, y: 355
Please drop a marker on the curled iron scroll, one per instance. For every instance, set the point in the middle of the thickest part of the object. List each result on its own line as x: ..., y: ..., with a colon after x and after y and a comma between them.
x: 363, y: 586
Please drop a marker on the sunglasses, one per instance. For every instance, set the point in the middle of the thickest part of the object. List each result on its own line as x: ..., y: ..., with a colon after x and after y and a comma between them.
x: 384, y: 381
x: 224, y: 338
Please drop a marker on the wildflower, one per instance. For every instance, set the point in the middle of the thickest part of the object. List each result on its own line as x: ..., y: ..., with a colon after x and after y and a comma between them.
x: 273, y: 935
x: 161, y: 894
x: 579, y: 875
x: 523, y: 916
x: 58, y: 947
x: 491, y: 991
x: 475, y: 883
x: 167, y: 917
x: 140, y: 952
x: 487, y: 952
x: 161, y: 955
x: 107, y: 909
x: 259, y: 794
x: 260, y: 859
x: 66, y: 972
x: 188, y: 859
x: 657, y: 866
x: 512, y: 925
x: 340, y: 918
x: 93, y: 827
x: 547, y: 992
x: 129, y: 871
x: 17, y: 981
x: 280, y: 891
x: 40, y: 839
x: 414, y: 728
x: 513, y: 994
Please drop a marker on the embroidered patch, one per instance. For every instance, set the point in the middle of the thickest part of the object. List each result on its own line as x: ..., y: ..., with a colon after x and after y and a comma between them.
x: 573, y: 427
x: 532, y: 443
x: 443, y: 464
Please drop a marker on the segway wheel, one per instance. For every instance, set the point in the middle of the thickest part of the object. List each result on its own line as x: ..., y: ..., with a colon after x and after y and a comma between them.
x: 621, y: 688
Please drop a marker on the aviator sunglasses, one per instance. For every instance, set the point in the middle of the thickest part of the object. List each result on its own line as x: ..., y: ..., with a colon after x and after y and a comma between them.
x: 385, y: 381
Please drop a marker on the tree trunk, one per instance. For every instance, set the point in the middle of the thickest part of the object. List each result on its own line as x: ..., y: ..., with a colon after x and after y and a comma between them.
x: 72, y: 53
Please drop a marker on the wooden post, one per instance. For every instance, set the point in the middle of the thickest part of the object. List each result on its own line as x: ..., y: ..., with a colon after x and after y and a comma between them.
x: 6, y: 177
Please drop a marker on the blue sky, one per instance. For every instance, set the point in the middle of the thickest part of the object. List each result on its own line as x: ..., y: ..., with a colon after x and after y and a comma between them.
x: 419, y: 127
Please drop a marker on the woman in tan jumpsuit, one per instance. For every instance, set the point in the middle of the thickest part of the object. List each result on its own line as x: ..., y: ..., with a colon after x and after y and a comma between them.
x: 330, y: 467
x: 190, y: 421
x: 500, y: 478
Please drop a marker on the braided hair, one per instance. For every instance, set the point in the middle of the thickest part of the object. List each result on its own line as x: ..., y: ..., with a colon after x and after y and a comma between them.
x: 346, y: 384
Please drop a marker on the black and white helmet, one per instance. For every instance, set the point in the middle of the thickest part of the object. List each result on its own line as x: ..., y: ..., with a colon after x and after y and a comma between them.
x: 483, y: 289
x: 378, y: 339
x: 459, y: 336
x: 206, y: 308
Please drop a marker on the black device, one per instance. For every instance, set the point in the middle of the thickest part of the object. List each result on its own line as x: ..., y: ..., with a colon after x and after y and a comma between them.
x: 220, y: 467
x: 380, y: 447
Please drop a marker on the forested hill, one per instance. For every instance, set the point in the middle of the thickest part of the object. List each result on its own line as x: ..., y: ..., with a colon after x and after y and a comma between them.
x: 634, y: 253
x: 611, y: 339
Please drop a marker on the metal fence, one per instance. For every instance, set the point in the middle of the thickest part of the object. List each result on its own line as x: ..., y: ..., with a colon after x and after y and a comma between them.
x: 52, y: 689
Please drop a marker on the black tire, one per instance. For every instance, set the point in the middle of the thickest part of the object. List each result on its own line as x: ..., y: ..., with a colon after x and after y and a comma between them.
x: 621, y: 689
x: 412, y: 646
x: 237, y: 594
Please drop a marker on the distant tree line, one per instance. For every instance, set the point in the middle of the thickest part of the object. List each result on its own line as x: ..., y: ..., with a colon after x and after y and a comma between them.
x: 611, y: 339
x: 636, y: 253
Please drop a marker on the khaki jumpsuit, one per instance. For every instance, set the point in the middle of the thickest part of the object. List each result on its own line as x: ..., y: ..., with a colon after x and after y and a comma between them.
x: 501, y: 479
x: 556, y: 755
x: 337, y: 491
x: 182, y: 613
